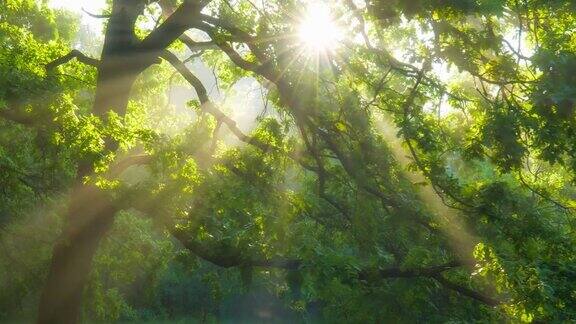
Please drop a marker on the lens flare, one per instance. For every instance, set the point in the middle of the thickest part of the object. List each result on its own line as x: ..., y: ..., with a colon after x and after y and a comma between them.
x: 318, y: 31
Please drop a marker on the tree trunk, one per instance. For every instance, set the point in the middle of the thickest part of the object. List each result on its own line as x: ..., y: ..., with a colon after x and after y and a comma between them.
x: 91, y: 212
x: 90, y: 215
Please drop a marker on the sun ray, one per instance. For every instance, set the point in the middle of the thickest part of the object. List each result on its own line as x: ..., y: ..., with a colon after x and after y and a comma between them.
x: 318, y: 32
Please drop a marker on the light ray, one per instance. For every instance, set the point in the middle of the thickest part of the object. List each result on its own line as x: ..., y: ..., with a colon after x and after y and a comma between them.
x: 318, y: 31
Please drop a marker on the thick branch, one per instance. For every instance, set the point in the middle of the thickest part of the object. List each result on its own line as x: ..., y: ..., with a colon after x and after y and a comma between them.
x: 433, y: 272
x: 466, y: 291
x: 129, y: 161
x: 187, y: 75
x: 73, y: 54
x: 196, y: 46
x: 371, y: 274
x: 173, y: 28
x: 17, y: 117
x: 231, y: 258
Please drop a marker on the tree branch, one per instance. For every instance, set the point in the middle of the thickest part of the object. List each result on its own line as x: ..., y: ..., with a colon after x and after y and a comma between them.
x: 229, y: 258
x: 13, y: 115
x: 371, y: 274
x: 68, y: 57
x: 464, y: 291
x: 173, y: 28
x: 433, y: 272
x: 95, y: 15
x: 209, y: 107
x: 239, y: 34
x: 196, y: 46
x: 121, y: 166
x: 263, y: 70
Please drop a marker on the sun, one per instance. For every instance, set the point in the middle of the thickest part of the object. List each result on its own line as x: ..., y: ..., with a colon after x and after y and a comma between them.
x: 318, y: 31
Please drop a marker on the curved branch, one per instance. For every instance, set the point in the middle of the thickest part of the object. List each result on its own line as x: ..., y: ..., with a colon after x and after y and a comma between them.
x: 464, y: 291
x: 95, y: 15
x: 230, y: 258
x: 371, y: 274
x: 209, y: 107
x: 129, y: 161
x: 196, y: 46
x: 180, y: 20
x: 544, y: 195
x: 239, y: 34
x: 68, y: 57
x: 263, y: 70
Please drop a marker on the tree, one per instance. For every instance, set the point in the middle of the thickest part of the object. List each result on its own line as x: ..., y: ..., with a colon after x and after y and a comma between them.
x: 321, y: 189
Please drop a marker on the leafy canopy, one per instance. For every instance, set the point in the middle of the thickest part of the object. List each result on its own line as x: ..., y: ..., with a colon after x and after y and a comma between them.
x: 417, y: 165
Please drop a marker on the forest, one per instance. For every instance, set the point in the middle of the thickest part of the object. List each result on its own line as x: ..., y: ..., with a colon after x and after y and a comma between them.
x: 287, y: 161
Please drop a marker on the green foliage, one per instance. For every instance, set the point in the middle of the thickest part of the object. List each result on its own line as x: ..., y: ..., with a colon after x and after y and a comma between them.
x: 429, y: 136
